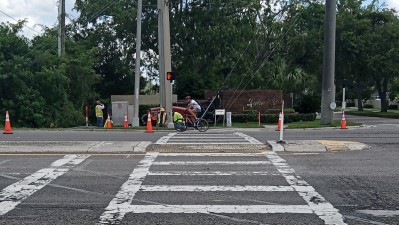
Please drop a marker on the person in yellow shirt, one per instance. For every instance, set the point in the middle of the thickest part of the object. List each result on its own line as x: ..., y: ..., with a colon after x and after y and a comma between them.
x: 178, y: 121
x: 99, y: 113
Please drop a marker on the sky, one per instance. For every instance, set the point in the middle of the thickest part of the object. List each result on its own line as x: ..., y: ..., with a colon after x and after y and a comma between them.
x: 45, y: 12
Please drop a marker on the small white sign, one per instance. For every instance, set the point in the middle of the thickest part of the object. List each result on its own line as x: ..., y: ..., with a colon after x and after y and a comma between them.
x: 220, y: 112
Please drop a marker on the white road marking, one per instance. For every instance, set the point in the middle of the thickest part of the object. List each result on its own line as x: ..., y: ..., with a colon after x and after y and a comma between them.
x: 212, y: 154
x: 316, y: 202
x: 364, y: 221
x: 120, y: 204
x: 213, y: 188
x: 167, y: 163
x: 212, y: 173
x: 4, y: 161
x: 381, y: 213
x: 165, y: 139
x: 248, y: 138
x: 302, y: 209
x: 208, y: 143
x: 15, y: 193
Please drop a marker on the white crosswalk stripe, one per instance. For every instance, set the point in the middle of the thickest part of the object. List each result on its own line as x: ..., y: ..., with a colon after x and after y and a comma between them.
x: 316, y: 204
x: 208, y: 138
x: 15, y: 193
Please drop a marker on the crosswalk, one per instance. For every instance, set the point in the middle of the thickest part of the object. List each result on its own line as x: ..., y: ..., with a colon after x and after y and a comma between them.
x: 227, y: 177
x: 208, y: 138
x: 122, y: 203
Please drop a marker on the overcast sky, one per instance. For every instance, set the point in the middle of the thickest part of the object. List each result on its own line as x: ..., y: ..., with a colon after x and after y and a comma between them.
x: 45, y: 12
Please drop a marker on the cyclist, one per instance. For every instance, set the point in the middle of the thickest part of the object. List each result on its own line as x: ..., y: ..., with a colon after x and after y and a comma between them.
x: 193, y: 108
x: 178, y: 121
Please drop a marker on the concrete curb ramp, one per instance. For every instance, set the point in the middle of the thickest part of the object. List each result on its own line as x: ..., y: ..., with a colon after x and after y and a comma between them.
x: 317, y: 146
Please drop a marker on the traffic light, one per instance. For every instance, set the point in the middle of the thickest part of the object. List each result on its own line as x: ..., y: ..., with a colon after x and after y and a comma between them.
x: 170, y: 76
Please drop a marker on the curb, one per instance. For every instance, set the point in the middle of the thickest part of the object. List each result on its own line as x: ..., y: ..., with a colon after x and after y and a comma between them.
x: 317, y: 146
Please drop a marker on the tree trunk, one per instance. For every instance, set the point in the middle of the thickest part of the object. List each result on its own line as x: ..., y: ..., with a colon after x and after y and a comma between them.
x: 359, y: 92
x: 383, y: 96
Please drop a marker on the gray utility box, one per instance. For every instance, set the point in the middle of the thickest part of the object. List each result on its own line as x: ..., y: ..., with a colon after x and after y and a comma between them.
x: 119, y: 109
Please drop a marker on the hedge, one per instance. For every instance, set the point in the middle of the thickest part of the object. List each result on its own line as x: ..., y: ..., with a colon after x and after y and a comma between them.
x: 272, y: 118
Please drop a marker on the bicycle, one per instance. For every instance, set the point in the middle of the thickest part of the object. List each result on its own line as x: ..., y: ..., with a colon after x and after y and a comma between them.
x: 199, y: 124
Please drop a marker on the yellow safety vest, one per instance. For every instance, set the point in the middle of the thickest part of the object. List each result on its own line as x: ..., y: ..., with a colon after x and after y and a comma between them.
x: 99, y: 111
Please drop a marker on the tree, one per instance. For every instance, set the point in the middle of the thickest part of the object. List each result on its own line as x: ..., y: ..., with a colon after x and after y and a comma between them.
x: 384, y: 51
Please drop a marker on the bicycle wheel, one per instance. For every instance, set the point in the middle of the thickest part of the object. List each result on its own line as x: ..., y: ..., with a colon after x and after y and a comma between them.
x: 202, y: 125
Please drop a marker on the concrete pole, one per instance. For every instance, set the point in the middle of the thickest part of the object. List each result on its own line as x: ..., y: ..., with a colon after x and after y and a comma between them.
x: 168, y: 63
x: 136, y: 121
x: 328, y: 86
x: 162, y: 72
x: 165, y: 59
x: 61, y: 27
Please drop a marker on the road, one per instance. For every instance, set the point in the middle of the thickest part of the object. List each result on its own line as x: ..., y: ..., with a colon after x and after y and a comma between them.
x: 260, y: 187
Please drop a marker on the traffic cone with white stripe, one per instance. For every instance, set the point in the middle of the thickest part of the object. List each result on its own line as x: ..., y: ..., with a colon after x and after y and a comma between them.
x: 149, y: 124
x: 279, y: 123
x: 125, y: 123
x: 7, y: 126
x: 343, y: 121
x: 108, y: 122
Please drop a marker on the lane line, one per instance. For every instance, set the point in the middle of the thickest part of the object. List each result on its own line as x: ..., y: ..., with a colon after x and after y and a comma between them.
x: 15, y: 193
x: 320, y: 206
x: 120, y: 204
x: 199, y: 188
x: 301, y: 209
x: 166, y: 163
x: 213, y: 173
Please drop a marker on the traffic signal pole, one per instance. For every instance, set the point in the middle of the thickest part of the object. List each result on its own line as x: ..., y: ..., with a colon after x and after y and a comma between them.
x: 164, y: 58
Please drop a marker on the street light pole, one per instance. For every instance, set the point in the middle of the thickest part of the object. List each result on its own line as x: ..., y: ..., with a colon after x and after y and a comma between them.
x: 136, y: 121
x: 328, y: 87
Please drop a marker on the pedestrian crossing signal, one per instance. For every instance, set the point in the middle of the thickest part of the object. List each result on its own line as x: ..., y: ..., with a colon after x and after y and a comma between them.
x: 170, y: 76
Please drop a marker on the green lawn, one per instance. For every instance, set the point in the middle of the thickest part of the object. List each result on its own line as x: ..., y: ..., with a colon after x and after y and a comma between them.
x: 374, y: 113
x: 316, y: 124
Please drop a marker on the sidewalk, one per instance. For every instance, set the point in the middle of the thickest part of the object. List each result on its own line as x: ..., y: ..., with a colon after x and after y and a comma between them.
x: 73, y: 147
x: 134, y: 147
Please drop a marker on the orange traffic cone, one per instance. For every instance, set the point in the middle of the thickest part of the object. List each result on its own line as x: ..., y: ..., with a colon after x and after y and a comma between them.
x: 343, y: 121
x: 125, y: 124
x: 108, y: 122
x: 279, y: 122
x: 149, y: 124
x: 7, y: 126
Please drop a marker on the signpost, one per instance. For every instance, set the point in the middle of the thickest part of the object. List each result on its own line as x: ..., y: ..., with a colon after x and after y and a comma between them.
x: 220, y: 112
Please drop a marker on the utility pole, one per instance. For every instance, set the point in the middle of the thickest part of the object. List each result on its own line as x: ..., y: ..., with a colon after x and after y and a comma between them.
x: 165, y: 58
x: 136, y: 122
x: 328, y: 86
x: 61, y: 28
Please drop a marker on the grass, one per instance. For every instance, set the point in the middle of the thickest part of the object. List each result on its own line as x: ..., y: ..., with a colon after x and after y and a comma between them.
x: 374, y: 113
x: 316, y: 124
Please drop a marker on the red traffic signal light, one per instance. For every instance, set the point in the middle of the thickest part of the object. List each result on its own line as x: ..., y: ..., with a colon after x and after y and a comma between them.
x: 170, y: 76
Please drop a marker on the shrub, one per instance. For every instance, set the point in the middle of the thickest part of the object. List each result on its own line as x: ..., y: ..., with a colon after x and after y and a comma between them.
x: 307, y: 104
x: 393, y: 107
x: 368, y: 106
x: 277, y: 111
x: 350, y: 104
x: 272, y: 118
